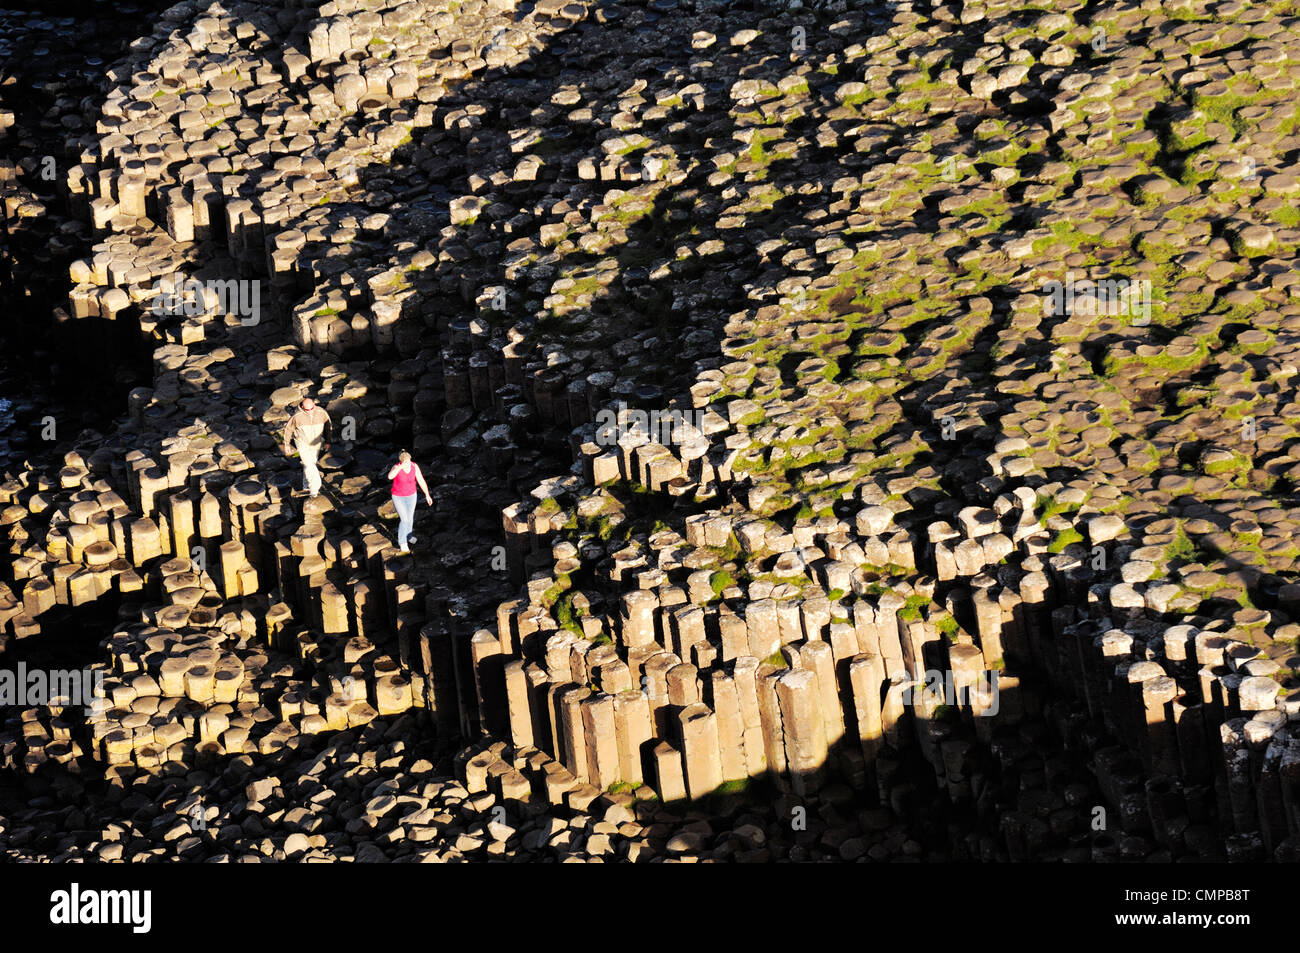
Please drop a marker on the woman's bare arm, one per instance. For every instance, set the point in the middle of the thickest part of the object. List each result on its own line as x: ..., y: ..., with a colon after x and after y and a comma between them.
x: 392, y: 474
x: 419, y: 478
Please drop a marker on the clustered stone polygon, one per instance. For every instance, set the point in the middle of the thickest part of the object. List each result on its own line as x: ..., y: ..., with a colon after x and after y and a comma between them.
x: 827, y: 231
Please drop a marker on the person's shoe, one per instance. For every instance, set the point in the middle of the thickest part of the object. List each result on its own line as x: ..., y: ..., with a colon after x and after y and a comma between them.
x: 404, y: 552
x: 411, y: 539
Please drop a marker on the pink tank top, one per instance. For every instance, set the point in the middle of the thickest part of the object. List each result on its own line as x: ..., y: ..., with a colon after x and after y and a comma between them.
x: 404, y: 483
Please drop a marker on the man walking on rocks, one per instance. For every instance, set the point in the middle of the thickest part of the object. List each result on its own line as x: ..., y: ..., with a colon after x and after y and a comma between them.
x: 306, y: 431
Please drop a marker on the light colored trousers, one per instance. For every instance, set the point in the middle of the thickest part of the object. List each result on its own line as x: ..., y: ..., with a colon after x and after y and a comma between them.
x: 308, y: 454
x: 406, y: 517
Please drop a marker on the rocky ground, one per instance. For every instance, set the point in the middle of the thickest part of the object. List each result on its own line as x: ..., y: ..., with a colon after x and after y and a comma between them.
x: 824, y: 240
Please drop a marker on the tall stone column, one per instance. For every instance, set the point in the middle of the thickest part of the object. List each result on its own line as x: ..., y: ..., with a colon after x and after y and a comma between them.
x: 887, y: 630
x: 1013, y: 636
x: 744, y: 675
x: 599, y: 728
x: 683, y: 685
x: 1289, y: 769
x: 867, y: 678
x: 988, y: 622
x: 818, y: 658
x: 636, y: 660
x: 699, y: 731
x: 518, y: 703
x: 182, y: 524
x: 1131, y: 705
x: 1115, y: 648
x: 1214, y: 696
x: 1268, y: 791
x: 1161, y: 743
x: 507, y: 626
x: 1036, y: 609
x: 633, y: 727
x: 864, y: 627
x: 1237, y: 775
x: 843, y: 641
x: 731, y: 727
x: 557, y: 656
x: 637, y: 617
x: 815, y: 617
x: 734, y: 633
x: 763, y: 628
x: 538, y: 696
x: 657, y: 689
x: 670, y: 781
x: 688, y: 629
x: 945, y: 563
x: 973, y: 684
x: 916, y: 635
x: 774, y: 749
x: 1189, y: 729
x: 572, y: 731
x: 486, y: 659
x: 805, y: 733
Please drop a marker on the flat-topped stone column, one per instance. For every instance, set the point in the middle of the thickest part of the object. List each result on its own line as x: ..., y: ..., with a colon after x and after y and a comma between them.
x: 803, y: 729
x: 699, y: 732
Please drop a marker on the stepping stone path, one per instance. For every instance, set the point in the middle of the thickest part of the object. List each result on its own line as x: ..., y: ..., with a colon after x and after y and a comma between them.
x: 761, y: 361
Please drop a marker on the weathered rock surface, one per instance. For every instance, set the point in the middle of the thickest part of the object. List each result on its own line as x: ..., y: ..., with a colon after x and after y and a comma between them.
x: 761, y: 362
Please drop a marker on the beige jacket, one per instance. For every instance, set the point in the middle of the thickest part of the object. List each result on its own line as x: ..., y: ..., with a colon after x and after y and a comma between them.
x: 307, y: 427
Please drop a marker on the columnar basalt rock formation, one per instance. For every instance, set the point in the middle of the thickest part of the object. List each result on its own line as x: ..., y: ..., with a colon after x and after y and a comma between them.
x: 781, y: 508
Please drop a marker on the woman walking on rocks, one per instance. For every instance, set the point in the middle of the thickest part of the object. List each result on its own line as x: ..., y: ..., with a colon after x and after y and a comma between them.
x: 406, y: 476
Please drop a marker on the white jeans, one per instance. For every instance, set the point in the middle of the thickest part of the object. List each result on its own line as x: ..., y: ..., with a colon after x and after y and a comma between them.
x: 308, y: 454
